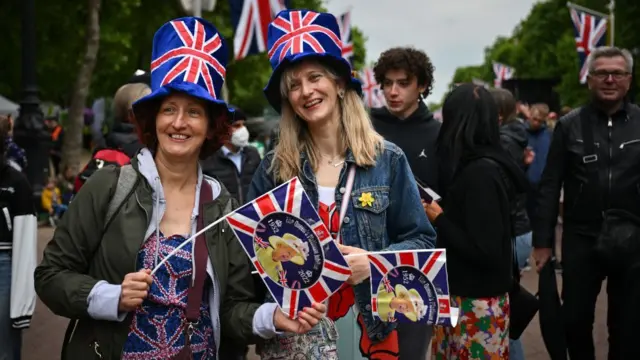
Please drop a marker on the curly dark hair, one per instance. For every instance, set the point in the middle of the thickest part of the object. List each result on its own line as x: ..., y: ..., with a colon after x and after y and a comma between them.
x: 145, y: 121
x: 415, y: 62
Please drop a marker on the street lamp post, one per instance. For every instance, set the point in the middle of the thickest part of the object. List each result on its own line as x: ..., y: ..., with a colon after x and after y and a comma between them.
x: 29, y: 131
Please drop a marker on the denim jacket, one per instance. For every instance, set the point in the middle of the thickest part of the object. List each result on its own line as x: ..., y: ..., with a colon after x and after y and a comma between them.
x: 395, y: 221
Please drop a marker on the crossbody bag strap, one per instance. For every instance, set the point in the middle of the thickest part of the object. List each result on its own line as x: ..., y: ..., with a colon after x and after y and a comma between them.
x: 194, y: 294
x: 195, y: 291
x: 346, y: 197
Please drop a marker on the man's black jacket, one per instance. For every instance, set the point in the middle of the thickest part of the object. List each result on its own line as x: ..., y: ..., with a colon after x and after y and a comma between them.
x: 617, y: 145
x: 222, y: 168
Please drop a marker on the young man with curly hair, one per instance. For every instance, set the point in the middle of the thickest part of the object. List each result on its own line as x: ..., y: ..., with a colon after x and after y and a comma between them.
x: 405, y: 75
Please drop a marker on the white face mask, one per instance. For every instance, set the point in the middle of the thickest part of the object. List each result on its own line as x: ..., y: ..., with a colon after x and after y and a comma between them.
x: 240, y: 137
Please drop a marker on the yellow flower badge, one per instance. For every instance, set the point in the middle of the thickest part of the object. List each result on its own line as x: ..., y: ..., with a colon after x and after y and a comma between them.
x: 366, y: 199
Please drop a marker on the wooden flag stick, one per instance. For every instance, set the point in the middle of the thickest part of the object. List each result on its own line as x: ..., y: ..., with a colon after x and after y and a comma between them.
x: 189, y: 240
x: 377, y: 253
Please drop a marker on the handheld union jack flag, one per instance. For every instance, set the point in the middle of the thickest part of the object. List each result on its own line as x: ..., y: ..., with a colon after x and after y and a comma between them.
x: 373, y: 97
x: 250, y: 20
x: 301, y: 263
x: 502, y: 72
x: 345, y: 35
x: 411, y: 286
x: 590, y: 30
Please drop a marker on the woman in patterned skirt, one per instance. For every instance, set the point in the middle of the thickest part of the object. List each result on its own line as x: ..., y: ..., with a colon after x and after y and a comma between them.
x: 479, y: 181
x: 97, y: 269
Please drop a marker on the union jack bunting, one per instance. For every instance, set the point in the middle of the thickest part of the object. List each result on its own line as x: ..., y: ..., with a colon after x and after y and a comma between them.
x: 299, y: 30
x: 193, y: 60
x: 373, y: 97
x: 250, y: 20
x: 590, y: 30
x: 345, y: 35
x: 290, y: 247
x: 502, y: 72
x: 411, y: 286
x: 438, y: 115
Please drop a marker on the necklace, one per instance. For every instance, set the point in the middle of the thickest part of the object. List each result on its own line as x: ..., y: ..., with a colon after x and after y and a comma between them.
x: 330, y: 161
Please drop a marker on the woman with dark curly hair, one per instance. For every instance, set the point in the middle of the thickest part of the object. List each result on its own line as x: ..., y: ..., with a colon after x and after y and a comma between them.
x: 406, y: 77
x: 97, y: 269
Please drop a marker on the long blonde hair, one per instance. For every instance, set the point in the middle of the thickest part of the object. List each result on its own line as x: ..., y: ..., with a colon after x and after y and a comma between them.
x: 356, y: 132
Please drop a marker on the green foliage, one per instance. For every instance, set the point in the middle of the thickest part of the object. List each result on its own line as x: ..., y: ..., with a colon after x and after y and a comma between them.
x: 127, y: 28
x: 543, y: 46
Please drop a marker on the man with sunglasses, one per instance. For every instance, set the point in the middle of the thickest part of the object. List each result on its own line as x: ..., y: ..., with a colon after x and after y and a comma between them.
x: 595, y: 154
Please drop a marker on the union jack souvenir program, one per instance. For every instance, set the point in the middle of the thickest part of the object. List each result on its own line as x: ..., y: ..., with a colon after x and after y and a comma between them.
x: 290, y: 247
x: 411, y: 286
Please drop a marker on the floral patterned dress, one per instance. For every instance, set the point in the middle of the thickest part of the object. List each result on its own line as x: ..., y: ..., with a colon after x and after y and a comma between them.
x: 157, y: 330
x: 482, y: 332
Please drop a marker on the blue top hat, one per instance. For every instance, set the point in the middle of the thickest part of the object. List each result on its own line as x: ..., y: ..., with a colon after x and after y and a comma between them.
x: 189, y: 56
x: 295, y: 35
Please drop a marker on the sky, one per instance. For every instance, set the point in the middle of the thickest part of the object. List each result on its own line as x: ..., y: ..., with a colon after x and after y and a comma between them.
x: 453, y: 33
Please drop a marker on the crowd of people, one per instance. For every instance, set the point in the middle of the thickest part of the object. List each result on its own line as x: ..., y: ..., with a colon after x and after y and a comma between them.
x: 517, y: 181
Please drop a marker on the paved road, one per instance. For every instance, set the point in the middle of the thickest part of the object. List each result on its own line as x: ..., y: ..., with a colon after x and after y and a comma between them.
x: 43, y: 340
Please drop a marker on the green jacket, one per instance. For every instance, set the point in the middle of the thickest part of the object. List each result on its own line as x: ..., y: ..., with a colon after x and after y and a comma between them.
x: 81, y: 253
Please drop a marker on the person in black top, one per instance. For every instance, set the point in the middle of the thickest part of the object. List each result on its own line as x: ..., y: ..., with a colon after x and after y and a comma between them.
x: 479, y: 183
x: 236, y: 161
x: 513, y: 137
x: 598, y: 174
x: 18, y: 250
x: 406, y: 77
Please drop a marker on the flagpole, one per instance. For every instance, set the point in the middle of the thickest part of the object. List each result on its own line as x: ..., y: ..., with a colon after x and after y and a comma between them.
x: 196, y: 6
x: 612, y: 6
x: 591, y: 11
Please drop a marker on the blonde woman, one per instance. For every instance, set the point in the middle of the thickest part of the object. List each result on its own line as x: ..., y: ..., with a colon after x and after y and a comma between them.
x: 325, y: 132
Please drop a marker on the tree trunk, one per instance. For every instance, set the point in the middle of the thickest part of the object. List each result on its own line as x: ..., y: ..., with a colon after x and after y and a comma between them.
x: 72, y: 146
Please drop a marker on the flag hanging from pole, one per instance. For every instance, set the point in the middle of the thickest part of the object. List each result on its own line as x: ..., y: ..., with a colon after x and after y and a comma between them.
x: 290, y: 247
x: 411, y: 286
x: 590, y: 28
x: 373, y: 96
x: 344, y: 21
x: 250, y: 19
x: 502, y: 72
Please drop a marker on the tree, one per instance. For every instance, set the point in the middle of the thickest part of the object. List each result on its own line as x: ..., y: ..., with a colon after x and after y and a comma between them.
x: 127, y: 29
x: 543, y: 46
x: 72, y: 147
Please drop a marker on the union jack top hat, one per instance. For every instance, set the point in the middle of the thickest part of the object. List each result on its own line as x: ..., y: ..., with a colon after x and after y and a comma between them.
x: 295, y: 35
x: 189, y: 56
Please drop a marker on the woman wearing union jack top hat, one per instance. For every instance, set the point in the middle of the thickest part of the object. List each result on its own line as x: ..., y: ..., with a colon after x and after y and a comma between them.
x: 328, y: 142
x: 125, y: 221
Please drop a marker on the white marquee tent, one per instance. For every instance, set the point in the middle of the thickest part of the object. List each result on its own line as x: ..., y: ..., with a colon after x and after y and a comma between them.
x: 8, y: 107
